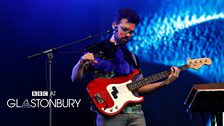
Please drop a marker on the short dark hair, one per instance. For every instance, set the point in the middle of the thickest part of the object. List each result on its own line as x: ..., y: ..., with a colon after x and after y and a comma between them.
x: 129, y: 14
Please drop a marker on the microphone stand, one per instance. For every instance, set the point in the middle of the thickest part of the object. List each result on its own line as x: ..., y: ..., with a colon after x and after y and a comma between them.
x: 50, y: 56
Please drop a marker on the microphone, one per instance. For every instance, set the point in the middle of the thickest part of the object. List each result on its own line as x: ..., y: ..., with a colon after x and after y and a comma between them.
x: 115, y: 28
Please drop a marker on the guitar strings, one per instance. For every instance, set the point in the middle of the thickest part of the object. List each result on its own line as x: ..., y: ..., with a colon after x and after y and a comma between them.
x: 146, y: 80
x: 105, y: 94
x: 122, y: 87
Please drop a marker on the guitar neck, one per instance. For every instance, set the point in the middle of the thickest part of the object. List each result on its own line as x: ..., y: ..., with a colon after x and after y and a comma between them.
x: 144, y: 81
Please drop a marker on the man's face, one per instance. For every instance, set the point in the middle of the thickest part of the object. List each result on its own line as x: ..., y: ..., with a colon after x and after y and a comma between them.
x: 125, y: 31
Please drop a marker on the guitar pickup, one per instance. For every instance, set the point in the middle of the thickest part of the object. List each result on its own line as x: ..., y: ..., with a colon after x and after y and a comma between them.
x: 114, y: 92
x: 98, y: 98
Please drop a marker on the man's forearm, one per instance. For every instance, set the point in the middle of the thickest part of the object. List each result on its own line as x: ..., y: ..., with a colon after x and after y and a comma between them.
x: 151, y: 87
x: 78, y: 71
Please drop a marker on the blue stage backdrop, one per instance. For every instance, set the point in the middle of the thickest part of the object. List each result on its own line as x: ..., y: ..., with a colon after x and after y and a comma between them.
x: 181, y: 29
x: 170, y: 31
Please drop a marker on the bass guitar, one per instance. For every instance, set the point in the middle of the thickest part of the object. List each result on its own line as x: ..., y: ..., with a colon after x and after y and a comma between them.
x: 110, y: 96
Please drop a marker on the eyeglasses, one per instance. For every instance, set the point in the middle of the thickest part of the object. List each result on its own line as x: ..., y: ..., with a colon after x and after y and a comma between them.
x: 126, y: 30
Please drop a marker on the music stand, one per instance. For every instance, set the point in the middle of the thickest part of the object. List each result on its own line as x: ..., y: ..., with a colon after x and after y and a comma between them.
x: 207, y: 98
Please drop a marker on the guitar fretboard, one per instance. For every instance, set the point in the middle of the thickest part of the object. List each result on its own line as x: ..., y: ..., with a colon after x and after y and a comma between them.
x: 144, y: 81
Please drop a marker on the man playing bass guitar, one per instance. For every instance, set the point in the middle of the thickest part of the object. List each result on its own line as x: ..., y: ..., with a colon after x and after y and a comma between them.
x: 110, y: 59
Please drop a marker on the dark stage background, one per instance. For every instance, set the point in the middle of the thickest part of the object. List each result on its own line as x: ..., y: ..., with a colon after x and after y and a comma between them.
x: 170, y: 32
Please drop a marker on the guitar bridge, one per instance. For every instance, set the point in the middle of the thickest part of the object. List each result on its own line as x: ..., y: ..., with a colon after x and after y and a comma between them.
x: 98, y: 98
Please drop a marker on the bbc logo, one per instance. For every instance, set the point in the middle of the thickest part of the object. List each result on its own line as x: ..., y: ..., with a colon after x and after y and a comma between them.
x: 39, y: 93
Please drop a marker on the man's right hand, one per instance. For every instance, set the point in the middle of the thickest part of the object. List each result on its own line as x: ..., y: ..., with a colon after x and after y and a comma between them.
x: 88, y: 57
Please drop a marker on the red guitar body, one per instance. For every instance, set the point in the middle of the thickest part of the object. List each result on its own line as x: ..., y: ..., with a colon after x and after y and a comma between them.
x: 110, y: 96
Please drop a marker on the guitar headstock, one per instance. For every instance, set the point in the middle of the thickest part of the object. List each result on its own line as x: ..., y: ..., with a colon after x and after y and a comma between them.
x: 197, y: 63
